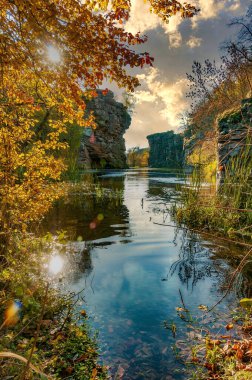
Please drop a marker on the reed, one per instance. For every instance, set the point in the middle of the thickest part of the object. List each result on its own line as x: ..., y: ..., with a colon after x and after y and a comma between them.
x: 227, y: 210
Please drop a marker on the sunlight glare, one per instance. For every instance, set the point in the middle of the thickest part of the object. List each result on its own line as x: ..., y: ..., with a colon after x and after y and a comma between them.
x: 53, y: 54
x: 56, y: 264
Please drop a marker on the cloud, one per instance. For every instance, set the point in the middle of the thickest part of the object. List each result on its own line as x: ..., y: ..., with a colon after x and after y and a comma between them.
x: 210, y: 8
x: 172, y: 29
x: 172, y: 95
x: 235, y: 6
x: 175, y: 40
x: 144, y: 96
x: 141, y: 19
x: 213, y: 8
x: 194, y: 42
x: 169, y: 95
x: 174, y: 46
x: 157, y: 106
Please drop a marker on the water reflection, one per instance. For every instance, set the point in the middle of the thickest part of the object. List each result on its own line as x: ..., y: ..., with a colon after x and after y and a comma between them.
x: 76, y: 214
x: 131, y: 269
x: 192, y: 264
x: 85, y: 265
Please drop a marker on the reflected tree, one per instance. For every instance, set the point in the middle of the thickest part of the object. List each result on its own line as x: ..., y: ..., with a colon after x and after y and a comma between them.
x: 192, y: 264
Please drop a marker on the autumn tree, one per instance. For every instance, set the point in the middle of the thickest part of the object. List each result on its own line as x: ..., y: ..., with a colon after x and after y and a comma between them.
x: 132, y: 156
x: 138, y: 157
x: 53, y: 55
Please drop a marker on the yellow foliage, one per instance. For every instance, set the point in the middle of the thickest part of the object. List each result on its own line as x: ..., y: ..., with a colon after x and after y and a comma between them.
x: 53, y: 54
x: 204, y: 155
x: 137, y: 157
x: 27, y: 162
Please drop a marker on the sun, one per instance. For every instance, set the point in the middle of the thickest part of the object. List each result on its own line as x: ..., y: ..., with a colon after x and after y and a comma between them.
x: 53, y: 54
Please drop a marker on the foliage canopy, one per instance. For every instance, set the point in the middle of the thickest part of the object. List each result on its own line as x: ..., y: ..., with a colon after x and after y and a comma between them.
x: 53, y: 54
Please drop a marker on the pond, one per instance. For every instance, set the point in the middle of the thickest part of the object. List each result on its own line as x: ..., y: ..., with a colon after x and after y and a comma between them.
x: 133, y: 265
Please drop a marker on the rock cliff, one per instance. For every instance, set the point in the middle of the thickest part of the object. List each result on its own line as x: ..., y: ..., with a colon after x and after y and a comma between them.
x: 105, y: 146
x: 166, y: 150
x: 234, y: 131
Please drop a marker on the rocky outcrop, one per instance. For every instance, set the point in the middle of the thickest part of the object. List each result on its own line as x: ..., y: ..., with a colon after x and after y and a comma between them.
x: 234, y: 130
x: 104, y: 147
x: 166, y: 150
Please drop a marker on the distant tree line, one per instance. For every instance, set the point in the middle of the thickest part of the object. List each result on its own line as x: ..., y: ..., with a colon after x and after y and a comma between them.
x: 137, y: 157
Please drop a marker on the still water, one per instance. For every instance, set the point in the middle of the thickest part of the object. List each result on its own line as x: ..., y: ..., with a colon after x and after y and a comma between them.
x: 132, y: 264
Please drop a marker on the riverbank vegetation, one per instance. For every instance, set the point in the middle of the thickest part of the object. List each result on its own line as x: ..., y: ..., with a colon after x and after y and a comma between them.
x: 222, y: 352
x: 218, y: 137
x: 227, y: 212
x: 42, y: 335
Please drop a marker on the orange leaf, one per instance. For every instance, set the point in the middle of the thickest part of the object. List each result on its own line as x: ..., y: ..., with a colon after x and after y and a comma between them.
x: 230, y: 326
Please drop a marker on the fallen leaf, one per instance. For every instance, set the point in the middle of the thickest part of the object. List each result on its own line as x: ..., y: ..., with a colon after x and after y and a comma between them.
x: 83, y: 313
x: 182, y: 309
x: 229, y: 326
x: 247, y: 328
x: 246, y: 303
x: 94, y: 374
x: 203, y: 307
x: 239, y: 354
x: 195, y: 359
x: 69, y: 370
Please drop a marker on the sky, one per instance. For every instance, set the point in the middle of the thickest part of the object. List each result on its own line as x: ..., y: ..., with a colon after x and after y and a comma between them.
x: 161, y: 98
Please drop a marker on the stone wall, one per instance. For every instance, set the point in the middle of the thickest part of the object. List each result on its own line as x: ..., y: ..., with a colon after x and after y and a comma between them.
x: 166, y: 150
x: 105, y: 146
x: 234, y: 129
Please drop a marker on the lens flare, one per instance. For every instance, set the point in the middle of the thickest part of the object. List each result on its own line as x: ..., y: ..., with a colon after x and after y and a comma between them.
x: 100, y: 217
x: 56, y: 264
x: 95, y: 223
x: 11, y: 315
x: 92, y: 226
